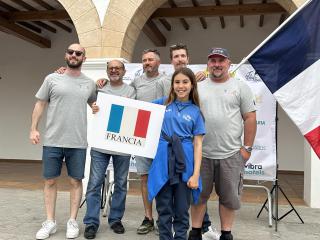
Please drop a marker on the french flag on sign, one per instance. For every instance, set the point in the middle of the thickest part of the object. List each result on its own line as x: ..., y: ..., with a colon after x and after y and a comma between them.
x: 121, y: 121
x: 289, y: 64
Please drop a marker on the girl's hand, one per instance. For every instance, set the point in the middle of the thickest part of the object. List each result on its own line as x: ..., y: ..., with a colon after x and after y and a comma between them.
x: 193, y: 182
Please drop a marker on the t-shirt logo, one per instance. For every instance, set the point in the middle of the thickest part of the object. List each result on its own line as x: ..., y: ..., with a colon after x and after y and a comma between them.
x: 127, y: 125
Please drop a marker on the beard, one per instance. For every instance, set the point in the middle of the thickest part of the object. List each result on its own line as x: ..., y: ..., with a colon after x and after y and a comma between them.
x: 74, y: 65
x: 114, y: 78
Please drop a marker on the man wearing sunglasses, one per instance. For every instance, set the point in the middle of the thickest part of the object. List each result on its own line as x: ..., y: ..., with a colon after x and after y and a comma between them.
x: 66, y: 97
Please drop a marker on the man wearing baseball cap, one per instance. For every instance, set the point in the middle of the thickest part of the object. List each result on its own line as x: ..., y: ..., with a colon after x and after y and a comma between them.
x: 229, y: 110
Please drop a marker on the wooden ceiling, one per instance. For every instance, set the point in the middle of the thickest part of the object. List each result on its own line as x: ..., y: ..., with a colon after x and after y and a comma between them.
x: 32, y: 20
x: 184, y: 10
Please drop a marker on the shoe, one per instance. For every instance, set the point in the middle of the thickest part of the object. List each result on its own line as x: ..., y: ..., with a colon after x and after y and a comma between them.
x: 227, y: 236
x: 72, y: 229
x: 193, y: 235
x: 90, y: 231
x: 211, y: 234
x: 146, y: 226
x: 48, y: 227
x: 117, y: 227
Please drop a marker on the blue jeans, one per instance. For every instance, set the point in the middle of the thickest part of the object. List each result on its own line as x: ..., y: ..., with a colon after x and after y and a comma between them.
x: 173, y: 203
x: 99, y: 164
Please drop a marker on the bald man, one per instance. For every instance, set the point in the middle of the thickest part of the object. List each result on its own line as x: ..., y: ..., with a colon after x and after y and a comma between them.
x: 66, y: 96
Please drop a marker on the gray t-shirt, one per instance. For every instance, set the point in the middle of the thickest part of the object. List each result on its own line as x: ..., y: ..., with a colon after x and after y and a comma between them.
x: 122, y: 91
x: 67, y: 99
x: 223, y: 105
x: 163, y: 86
x: 146, y: 88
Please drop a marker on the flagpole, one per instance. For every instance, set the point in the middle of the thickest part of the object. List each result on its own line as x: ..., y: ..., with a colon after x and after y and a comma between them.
x: 271, y: 35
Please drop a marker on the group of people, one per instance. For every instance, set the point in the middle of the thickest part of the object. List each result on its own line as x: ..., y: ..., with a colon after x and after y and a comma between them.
x: 200, y: 144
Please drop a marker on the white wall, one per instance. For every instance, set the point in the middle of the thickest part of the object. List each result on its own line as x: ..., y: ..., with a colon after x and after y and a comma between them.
x: 240, y: 42
x: 23, y: 67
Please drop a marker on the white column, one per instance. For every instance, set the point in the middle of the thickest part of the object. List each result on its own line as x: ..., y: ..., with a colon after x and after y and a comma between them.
x: 311, y: 177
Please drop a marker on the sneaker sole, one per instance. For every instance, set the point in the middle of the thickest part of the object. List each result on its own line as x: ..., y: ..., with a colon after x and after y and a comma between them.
x: 146, y: 231
x: 45, y: 237
x: 72, y: 236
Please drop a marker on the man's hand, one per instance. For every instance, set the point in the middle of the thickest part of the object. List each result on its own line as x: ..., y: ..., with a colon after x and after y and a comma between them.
x: 95, y: 108
x: 34, y: 137
x: 245, y: 155
x: 200, y: 76
x: 101, y: 82
x: 60, y: 70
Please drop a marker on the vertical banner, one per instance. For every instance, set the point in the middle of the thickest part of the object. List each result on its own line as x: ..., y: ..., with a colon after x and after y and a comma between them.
x: 262, y: 164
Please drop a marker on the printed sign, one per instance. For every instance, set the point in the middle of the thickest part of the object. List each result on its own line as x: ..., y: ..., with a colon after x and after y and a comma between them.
x: 127, y: 126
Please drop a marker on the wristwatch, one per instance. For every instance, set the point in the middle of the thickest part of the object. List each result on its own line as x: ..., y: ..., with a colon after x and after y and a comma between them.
x: 247, y: 148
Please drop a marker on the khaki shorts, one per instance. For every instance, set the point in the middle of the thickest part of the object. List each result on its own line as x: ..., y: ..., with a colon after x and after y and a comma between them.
x: 143, y: 165
x: 227, y: 175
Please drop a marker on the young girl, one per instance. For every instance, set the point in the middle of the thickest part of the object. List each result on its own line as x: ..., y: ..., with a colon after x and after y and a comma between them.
x: 174, y: 174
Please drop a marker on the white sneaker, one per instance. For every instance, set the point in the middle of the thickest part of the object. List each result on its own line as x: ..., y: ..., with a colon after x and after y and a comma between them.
x: 211, y: 234
x: 48, y: 227
x: 72, y: 229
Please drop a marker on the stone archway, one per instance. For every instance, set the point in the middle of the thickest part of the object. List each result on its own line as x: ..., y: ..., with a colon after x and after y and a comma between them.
x: 290, y: 5
x: 125, y: 19
x: 122, y: 25
x: 87, y: 24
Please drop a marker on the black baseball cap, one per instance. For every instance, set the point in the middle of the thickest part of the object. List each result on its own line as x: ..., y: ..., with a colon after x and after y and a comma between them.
x: 219, y: 51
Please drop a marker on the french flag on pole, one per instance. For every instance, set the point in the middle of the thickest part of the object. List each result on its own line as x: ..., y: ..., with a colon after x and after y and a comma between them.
x: 288, y: 62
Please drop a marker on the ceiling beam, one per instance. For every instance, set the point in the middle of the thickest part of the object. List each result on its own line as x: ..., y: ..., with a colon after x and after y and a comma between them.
x: 44, y: 4
x: 182, y: 20
x: 31, y: 8
x: 223, y: 10
x: 223, y: 24
x: 202, y: 20
x: 22, y: 33
x: 241, y: 16
x: 40, y: 24
x: 49, y: 7
x: 261, y: 20
x: 165, y: 23
x: 282, y: 18
x: 30, y: 26
x: 155, y: 35
x: 44, y: 15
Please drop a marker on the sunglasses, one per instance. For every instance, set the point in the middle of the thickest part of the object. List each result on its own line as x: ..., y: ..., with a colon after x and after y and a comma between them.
x: 114, y: 68
x: 78, y: 53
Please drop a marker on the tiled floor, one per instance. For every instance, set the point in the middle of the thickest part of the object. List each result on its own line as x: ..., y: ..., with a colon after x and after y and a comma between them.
x: 27, y: 175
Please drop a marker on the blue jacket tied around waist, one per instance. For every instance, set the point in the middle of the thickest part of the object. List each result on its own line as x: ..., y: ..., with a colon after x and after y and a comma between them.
x: 174, y: 160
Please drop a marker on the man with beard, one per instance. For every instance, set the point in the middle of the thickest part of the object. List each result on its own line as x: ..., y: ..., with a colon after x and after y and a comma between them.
x: 229, y: 109
x: 146, y: 89
x: 100, y: 160
x: 66, y: 96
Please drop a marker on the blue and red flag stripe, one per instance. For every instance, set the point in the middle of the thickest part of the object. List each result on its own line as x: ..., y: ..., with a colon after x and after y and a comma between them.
x: 128, y: 121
